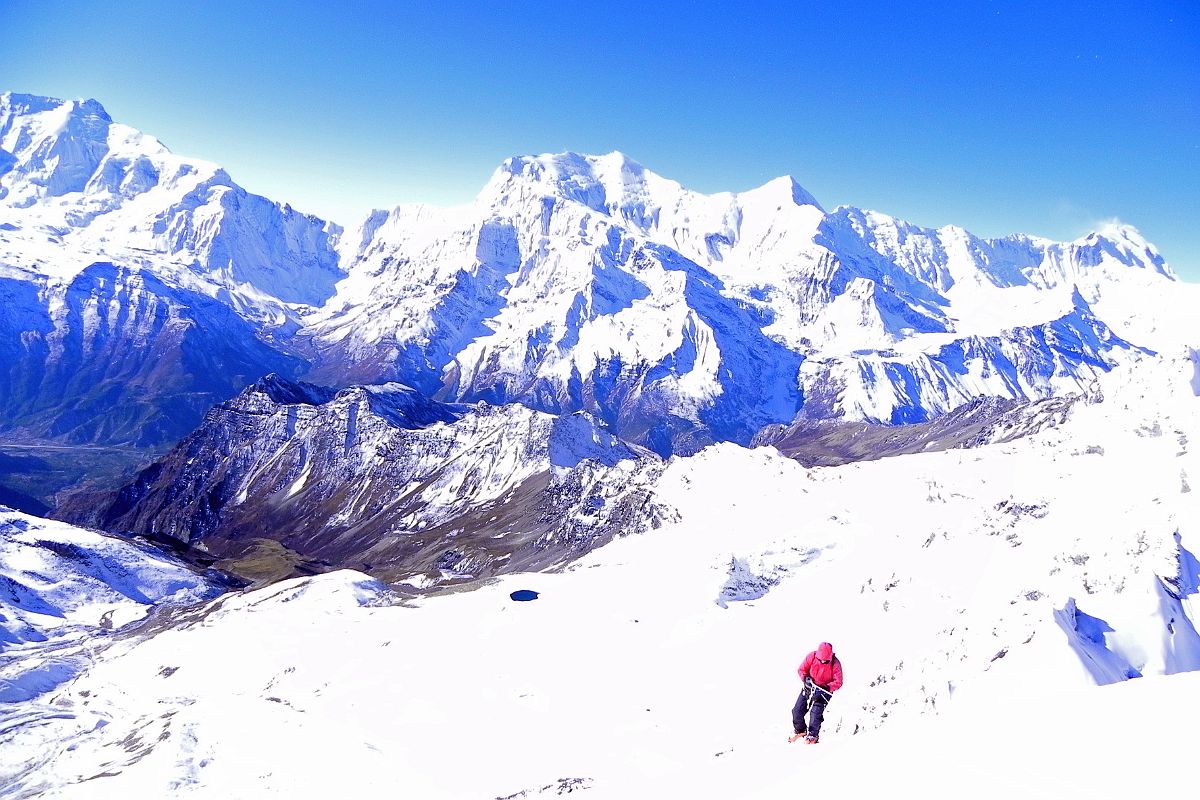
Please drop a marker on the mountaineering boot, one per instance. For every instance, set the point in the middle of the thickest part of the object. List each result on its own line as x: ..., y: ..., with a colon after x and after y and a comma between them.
x: 794, y: 737
x: 810, y: 739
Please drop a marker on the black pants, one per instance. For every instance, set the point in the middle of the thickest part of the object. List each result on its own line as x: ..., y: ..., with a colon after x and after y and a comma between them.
x: 815, y: 710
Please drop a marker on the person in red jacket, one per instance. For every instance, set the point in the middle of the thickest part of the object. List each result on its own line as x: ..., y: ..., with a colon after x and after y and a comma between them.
x: 822, y: 675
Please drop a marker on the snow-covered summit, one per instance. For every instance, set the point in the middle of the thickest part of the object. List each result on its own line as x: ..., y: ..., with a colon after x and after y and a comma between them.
x: 50, y: 147
x: 100, y: 190
x: 120, y: 260
x: 616, y: 184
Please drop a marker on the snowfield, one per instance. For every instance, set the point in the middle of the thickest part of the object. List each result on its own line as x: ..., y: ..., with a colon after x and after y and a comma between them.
x: 989, y: 606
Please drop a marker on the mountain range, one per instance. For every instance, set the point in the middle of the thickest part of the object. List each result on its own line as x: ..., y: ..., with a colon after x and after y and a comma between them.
x: 159, y: 317
x: 142, y: 288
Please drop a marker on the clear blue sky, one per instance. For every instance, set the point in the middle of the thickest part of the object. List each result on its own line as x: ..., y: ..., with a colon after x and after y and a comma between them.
x: 1045, y: 117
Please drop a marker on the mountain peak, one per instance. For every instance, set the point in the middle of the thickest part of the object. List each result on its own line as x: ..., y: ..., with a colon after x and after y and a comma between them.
x: 288, y: 392
x: 570, y: 171
x: 572, y: 163
x: 615, y: 180
x: 787, y: 188
x: 1128, y: 244
x: 603, y: 183
x: 16, y: 104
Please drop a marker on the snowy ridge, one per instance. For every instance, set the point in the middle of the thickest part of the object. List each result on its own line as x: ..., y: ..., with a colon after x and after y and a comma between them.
x: 56, y: 577
x: 382, y: 479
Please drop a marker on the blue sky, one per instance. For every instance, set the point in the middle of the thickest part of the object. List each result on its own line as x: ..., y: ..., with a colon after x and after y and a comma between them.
x: 1045, y: 118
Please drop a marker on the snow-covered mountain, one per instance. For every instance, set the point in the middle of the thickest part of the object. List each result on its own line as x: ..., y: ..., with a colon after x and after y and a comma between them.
x: 584, y: 282
x: 91, y: 189
x: 143, y: 287
x: 1030, y: 602
x: 383, y: 480
x: 139, y: 287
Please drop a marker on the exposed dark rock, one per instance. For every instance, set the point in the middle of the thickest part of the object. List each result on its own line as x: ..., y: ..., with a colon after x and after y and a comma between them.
x: 984, y: 420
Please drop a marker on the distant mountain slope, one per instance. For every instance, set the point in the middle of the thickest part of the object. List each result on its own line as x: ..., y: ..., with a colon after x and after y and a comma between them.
x: 383, y: 480
x: 139, y: 287
x: 983, y: 421
x: 118, y: 355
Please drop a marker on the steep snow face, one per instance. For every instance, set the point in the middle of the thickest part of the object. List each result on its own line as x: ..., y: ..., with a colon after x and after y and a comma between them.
x: 384, y: 480
x: 51, y: 148
x: 1023, y: 583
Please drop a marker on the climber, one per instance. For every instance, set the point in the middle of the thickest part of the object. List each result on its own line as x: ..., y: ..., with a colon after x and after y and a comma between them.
x: 822, y: 675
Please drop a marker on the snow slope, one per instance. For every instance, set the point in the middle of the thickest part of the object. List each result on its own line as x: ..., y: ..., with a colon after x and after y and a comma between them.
x: 56, y: 578
x: 63, y: 591
x: 989, y: 605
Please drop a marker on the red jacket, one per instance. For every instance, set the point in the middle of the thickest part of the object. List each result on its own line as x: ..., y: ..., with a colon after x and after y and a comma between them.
x: 823, y: 667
